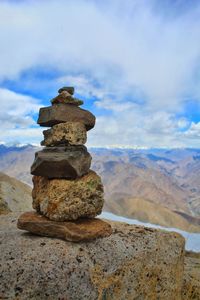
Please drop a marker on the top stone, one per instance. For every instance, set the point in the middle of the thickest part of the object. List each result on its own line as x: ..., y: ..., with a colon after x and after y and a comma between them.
x: 69, y: 89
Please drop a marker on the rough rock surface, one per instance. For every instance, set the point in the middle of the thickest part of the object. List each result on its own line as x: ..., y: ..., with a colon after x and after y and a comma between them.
x: 73, y: 231
x: 133, y: 263
x: 61, y: 162
x: 66, y: 98
x: 73, y: 133
x: 60, y: 113
x: 191, y: 283
x: 62, y: 199
x: 69, y: 89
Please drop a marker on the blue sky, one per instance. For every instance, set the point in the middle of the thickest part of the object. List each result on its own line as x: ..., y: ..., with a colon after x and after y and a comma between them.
x: 135, y: 63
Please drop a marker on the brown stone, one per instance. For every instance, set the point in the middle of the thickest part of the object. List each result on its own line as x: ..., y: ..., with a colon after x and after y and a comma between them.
x: 62, y: 199
x: 66, y: 98
x: 61, y: 162
x: 69, y: 89
x: 73, y: 133
x: 191, y: 282
x: 60, y: 113
x: 73, y: 231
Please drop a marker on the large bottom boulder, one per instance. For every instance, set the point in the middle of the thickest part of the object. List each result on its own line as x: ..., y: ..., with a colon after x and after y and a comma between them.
x: 62, y: 199
x: 134, y: 262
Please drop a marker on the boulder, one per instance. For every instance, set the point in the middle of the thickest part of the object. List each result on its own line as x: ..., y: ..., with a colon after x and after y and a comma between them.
x: 134, y: 262
x: 73, y: 231
x: 62, y: 199
x: 60, y: 113
x: 61, y: 162
x: 73, y: 133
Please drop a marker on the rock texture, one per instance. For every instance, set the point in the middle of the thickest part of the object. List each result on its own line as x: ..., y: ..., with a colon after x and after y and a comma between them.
x: 60, y: 113
x: 69, y: 89
x: 133, y: 263
x: 62, y: 162
x: 62, y: 199
x: 191, y: 283
x: 73, y: 133
x: 74, y: 231
x: 66, y: 98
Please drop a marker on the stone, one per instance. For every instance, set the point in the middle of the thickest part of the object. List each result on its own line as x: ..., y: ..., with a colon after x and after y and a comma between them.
x: 61, y: 162
x: 134, y: 262
x: 66, y: 98
x: 60, y: 113
x: 62, y: 199
x: 69, y: 89
x: 191, y: 282
x: 69, y: 133
x: 73, y: 231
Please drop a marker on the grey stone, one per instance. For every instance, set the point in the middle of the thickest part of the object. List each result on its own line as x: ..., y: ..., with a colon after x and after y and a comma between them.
x: 61, y: 162
x: 60, y: 113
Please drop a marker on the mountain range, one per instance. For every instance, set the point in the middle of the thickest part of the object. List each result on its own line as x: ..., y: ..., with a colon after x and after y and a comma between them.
x: 160, y: 186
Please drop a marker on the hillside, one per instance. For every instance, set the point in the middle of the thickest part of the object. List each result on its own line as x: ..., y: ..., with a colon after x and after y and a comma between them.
x: 150, y: 212
x: 16, y: 162
x: 14, y: 195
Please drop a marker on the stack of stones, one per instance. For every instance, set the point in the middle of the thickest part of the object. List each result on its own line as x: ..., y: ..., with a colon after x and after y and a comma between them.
x: 65, y: 190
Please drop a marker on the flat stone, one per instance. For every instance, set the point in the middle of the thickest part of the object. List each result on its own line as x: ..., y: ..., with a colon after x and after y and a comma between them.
x: 69, y: 133
x: 69, y: 89
x: 73, y: 231
x: 66, y: 98
x: 60, y: 113
x: 62, y: 199
x: 61, y: 162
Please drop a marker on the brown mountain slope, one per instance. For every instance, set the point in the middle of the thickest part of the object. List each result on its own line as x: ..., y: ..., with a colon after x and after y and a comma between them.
x: 14, y: 195
x: 119, y: 177
x: 147, y: 211
x: 17, y: 164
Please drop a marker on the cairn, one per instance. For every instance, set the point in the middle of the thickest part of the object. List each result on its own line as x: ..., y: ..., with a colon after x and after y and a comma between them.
x: 67, y: 195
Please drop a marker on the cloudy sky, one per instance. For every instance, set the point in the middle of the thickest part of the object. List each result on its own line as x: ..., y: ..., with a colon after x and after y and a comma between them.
x: 135, y: 63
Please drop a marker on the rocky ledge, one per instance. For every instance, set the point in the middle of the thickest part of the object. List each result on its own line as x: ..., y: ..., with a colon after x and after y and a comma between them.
x: 133, y: 263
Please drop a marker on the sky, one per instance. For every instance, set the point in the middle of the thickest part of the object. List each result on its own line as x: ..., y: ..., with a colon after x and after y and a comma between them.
x: 135, y: 63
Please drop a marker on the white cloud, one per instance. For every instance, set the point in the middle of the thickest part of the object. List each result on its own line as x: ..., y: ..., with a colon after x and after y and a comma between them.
x: 193, y: 132
x: 116, y: 51
x: 16, y: 116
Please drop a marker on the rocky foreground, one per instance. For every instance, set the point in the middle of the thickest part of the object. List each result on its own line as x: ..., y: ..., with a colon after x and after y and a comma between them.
x: 133, y: 263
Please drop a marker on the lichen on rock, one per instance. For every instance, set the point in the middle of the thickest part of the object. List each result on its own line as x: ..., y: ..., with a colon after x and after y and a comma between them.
x: 62, y: 199
x: 73, y: 133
